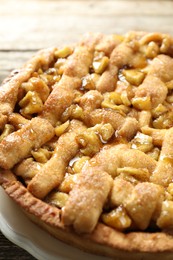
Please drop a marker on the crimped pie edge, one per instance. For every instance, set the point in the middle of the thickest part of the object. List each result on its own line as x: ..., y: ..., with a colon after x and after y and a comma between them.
x: 103, y: 240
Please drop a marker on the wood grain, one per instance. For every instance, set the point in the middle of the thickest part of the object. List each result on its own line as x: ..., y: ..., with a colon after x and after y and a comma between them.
x: 39, y: 24
x: 9, y: 251
x: 12, y: 60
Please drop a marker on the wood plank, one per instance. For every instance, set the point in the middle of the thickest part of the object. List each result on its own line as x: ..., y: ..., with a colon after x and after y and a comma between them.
x: 9, y: 60
x: 39, y: 24
x: 12, y: 60
x: 9, y: 251
x: 92, y: 7
x: 47, y: 31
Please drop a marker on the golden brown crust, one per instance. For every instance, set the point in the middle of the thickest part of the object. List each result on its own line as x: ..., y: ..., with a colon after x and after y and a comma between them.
x: 49, y: 218
x: 20, y: 143
x: 139, y: 99
x: 52, y: 173
x: 8, y: 96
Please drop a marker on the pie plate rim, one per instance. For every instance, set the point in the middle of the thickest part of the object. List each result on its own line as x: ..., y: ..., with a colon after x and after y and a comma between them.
x: 24, y: 233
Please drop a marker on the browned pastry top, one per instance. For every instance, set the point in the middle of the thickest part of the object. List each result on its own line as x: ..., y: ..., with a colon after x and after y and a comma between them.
x: 86, y: 139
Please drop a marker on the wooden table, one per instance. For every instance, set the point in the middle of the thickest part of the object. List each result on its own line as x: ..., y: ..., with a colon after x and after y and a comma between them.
x: 26, y: 26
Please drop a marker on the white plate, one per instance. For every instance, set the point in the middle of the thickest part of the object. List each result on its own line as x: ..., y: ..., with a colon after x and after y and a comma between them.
x: 21, y: 231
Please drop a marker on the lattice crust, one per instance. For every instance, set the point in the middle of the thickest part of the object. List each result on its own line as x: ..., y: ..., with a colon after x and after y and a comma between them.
x: 86, y: 142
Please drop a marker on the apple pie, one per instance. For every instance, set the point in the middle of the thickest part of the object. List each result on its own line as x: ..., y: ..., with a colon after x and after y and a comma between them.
x: 86, y: 143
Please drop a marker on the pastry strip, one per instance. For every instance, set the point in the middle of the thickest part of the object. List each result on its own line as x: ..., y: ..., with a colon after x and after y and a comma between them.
x: 156, y: 134
x: 120, y: 56
x: 143, y: 203
x: 9, y: 90
x: 52, y: 173
x: 154, y: 88
x: 60, y: 98
x: 163, y: 173
x: 127, y: 126
x: 27, y: 169
x: 82, y: 211
x: 63, y: 93
x: 95, y: 182
x: 91, y: 100
x: 19, y: 144
x: 162, y: 67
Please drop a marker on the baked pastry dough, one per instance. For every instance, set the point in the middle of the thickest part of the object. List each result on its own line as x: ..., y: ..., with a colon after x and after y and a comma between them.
x: 86, y: 144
